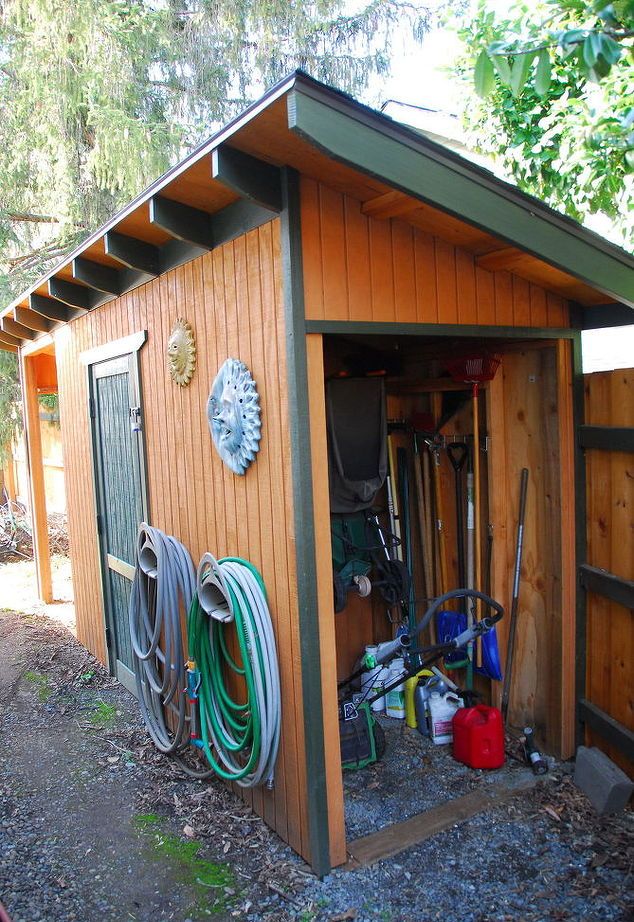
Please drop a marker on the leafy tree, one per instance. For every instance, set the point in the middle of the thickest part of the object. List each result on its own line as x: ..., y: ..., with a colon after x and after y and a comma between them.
x: 555, y: 82
x: 98, y: 97
x: 10, y: 412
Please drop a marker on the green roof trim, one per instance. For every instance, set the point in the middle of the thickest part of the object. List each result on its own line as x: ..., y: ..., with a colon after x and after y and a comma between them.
x: 368, y: 141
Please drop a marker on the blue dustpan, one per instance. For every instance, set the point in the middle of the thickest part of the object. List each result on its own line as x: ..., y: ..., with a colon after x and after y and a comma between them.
x: 450, y: 624
x: 491, y: 665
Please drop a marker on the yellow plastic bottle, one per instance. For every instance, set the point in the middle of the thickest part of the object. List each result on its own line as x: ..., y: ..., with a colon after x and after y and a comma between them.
x: 410, y: 688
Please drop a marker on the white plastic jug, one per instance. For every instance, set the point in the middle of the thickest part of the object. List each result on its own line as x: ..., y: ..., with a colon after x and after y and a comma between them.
x: 395, y: 698
x: 441, y: 710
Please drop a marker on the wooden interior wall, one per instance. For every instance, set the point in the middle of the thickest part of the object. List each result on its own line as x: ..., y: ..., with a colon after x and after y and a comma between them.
x: 524, y: 423
x: 361, y: 268
x: 233, y: 299
x: 609, y: 401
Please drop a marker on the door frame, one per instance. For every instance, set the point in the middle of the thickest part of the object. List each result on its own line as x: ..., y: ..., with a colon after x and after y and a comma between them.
x: 127, y: 346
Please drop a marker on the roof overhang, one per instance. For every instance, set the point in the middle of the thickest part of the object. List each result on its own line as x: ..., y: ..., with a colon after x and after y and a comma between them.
x: 232, y: 183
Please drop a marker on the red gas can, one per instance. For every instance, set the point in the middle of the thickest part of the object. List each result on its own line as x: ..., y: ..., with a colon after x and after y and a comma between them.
x: 478, y: 737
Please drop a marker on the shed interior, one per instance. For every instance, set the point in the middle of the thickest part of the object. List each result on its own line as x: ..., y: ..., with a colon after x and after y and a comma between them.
x: 522, y: 417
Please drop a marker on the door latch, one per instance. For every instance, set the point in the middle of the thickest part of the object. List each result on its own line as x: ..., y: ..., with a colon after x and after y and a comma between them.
x: 135, y: 419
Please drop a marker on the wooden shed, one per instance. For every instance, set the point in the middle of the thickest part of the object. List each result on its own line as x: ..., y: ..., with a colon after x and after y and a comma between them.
x: 310, y: 229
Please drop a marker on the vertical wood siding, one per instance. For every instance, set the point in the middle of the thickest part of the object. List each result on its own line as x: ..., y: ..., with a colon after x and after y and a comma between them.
x: 524, y: 421
x: 233, y: 299
x: 610, y: 534
x: 362, y: 268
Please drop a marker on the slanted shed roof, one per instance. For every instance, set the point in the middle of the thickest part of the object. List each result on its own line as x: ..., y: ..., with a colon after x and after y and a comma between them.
x: 231, y: 183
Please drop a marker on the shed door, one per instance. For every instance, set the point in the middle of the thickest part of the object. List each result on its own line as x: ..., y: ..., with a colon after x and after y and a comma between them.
x: 606, y: 693
x: 121, y: 496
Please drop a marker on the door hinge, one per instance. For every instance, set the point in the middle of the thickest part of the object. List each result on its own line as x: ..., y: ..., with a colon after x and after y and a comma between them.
x: 91, y: 408
x: 99, y: 524
x: 135, y: 418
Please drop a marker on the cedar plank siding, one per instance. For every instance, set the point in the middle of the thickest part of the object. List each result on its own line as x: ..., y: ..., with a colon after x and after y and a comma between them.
x: 362, y: 268
x: 233, y: 298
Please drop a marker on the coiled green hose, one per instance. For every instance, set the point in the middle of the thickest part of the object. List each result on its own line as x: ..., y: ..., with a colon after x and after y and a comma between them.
x: 239, y: 738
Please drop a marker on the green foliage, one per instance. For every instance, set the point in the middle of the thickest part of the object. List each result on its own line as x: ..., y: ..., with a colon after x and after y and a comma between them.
x: 10, y: 405
x: 554, y: 85
x: 99, y: 97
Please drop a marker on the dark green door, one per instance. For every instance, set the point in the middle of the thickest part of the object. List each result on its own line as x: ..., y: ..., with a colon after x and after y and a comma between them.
x: 121, y: 495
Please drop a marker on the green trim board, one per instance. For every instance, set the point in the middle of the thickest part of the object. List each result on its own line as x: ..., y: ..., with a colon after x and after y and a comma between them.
x: 368, y: 142
x: 610, y: 729
x: 600, y: 316
x: 608, y: 585
x: 607, y: 438
x: 369, y: 328
x: 252, y: 179
x: 301, y: 466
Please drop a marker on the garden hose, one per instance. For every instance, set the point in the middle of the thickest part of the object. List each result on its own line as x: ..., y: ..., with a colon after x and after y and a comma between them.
x: 164, y: 579
x: 239, y: 738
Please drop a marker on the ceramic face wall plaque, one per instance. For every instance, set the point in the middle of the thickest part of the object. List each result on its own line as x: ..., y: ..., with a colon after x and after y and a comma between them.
x: 233, y: 412
x: 181, y: 352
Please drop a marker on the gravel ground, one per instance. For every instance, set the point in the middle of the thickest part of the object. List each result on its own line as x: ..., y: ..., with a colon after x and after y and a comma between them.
x: 413, y: 776
x: 96, y: 825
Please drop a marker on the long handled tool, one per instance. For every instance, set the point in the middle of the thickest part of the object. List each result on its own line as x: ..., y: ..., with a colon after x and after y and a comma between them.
x: 474, y: 370
x: 519, y: 545
x: 425, y: 532
x: 457, y: 453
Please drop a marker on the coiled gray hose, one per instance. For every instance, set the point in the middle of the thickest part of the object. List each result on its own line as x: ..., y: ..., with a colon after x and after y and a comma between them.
x: 164, y: 580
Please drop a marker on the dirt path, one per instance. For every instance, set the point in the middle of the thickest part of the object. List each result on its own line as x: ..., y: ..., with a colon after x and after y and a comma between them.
x: 87, y: 831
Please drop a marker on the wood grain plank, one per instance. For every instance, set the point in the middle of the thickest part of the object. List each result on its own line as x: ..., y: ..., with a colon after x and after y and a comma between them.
x: 503, y: 298
x: 466, y: 287
x: 426, y: 287
x: 357, y: 260
x: 319, y: 455
x: 381, y: 271
x: 404, y: 272
x: 289, y: 817
x: 521, y: 302
x: 539, y: 308
x: 333, y: 248
x: 445, y: 256
x: 486, y: 297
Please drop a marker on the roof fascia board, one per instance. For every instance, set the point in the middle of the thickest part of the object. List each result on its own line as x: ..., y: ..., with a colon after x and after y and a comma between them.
x: 351, y: 107
x: 197, y: 154
x: 369, y: 143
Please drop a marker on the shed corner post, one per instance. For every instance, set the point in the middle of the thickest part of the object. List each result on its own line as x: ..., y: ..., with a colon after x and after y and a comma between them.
x: 301, y: 466
x: 35, y: 473
x: 578, y: 405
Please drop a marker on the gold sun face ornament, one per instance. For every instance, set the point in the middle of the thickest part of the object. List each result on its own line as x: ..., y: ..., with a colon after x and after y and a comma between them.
x: 181, y: 352
x: 233, y: 411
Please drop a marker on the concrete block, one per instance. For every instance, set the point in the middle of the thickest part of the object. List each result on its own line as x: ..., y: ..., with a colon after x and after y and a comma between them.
x: 604, y: 784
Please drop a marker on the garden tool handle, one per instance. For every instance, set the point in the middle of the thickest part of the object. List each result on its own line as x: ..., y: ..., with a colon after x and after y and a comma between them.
x: 457, y: 452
